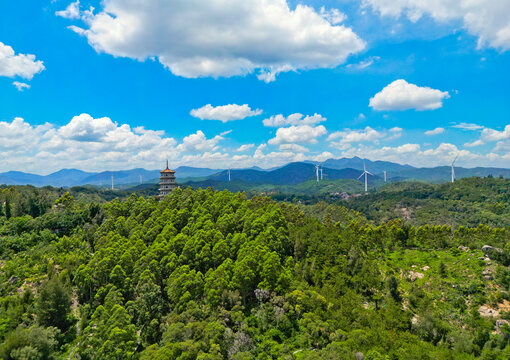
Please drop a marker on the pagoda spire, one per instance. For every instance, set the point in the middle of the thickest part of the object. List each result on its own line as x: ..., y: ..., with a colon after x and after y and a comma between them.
x: 166, y: 164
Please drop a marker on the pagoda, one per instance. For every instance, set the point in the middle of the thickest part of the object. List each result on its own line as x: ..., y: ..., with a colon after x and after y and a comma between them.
x: 166, y: 181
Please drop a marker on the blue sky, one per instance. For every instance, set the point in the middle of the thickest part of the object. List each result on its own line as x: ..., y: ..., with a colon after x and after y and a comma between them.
x: 114, y: 88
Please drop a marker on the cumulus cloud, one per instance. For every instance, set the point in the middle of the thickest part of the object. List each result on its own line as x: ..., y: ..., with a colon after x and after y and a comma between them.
x: 224, y: 113
x: 489, y: 20
x: 394, y: 133
x: 298, y: 135
x: 413, y: 154
x: 274, y: 158
x: 215, y: 38
x: 19, y: 134
x: 468, y: 126
x: 85, y: 128
x: 100, y: 143
x: 12, y: 64
x: 366, y: 135
x: 333, y: 16
x: 489, y: 135
x: 474, y: 143
x: 401, y: 95
x: 245, y: 147
x: 293, y: 119
x: 21, y: 85
x: 436, y: 131
x: 293, y: 147
x: 85, y: 142
x: 71, y: 12
x: 350, y: 136
x: 495, y: 135
x: 199, y: 143
x: 323, y: 156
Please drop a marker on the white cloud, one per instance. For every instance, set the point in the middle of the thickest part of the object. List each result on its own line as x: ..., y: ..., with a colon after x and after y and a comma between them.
x: 495, y: 135
x: 414, y: 155
x: 363, y: 64
x: 272, y: 159
x: 436, y: 131
x: 196, y: 38
x: 224, y: 113
x: 85, y: 128
x: 19, y: 135
x: 11, y: 65
x: 401, y: 95
x: 199, y: 143
x: 293, y: 119
x: 474, y: 143
x: 244, y: 147
x: 20, y: 85
x: 333, y: 16
x: 467, y: 126
x: 298, y: 134
x: 293, y: 147
x: 349, y: 137
x: 85, y: 142
x: 491, y: 135
x: 71, y: 12
x: 394, y: 133
x: 323, y: 156
x: 489, y: 20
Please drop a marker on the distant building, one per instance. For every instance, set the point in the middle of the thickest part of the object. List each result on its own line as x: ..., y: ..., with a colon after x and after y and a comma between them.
x: 166, y: 181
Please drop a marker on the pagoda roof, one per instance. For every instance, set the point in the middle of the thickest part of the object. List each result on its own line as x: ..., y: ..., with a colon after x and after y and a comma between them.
x: 167, y: 170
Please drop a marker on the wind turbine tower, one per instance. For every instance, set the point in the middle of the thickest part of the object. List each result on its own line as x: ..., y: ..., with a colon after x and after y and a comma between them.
x: 321, y: 173
x: 317, y: 172
x: 453, y: 168
x: 112, y: 183
x: 366, y: 173
x: 228, y: 174
x: 384, y: 175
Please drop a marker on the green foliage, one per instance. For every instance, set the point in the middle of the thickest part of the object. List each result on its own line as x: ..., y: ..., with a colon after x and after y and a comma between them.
x: 215, y: 275
x: 53, y: 307
x: 467, y: 202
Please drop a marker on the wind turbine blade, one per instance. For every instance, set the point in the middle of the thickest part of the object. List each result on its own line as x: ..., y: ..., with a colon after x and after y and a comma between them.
x: 361, y: 176
x: 369, y: 173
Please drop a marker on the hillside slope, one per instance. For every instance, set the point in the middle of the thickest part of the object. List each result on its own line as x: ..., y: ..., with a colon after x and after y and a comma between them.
x: 468, y: 202
x: 214, y: 275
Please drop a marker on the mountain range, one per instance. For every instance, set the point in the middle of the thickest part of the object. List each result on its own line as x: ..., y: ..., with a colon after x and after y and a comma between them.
x: 292, y: 173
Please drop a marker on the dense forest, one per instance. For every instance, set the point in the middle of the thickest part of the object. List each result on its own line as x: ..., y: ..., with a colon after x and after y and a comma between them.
x: 467, y: 202
x: 216, y: 275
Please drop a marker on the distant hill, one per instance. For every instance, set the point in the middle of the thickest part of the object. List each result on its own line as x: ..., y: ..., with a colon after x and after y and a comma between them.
x: 74, y: 177
x: 375, y: 167
x: 444, y: 173
x: 292, y: 173
x: 310, y: 187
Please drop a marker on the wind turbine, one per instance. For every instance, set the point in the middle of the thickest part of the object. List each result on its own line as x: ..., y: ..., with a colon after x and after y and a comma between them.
x: 384, y: 175
x: 453, y: 169
x: 317, y: 171
x: 365, y: 172
x: 228, y: 173
x: 112, y: 183
x: 321, y: 173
